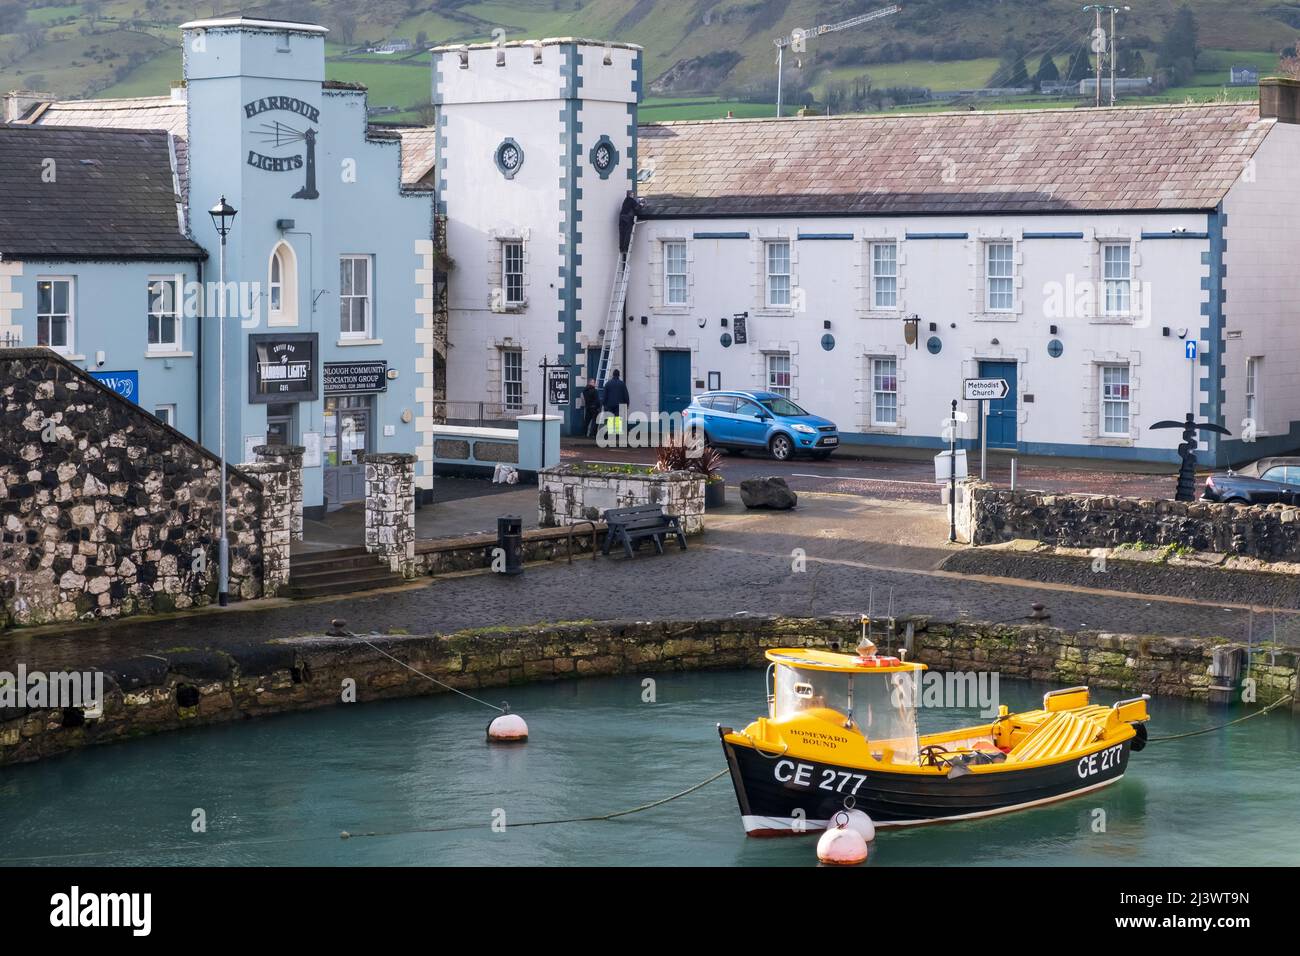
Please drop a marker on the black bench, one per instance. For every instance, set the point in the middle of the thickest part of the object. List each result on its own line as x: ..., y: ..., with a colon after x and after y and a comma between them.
x: 631, y: 526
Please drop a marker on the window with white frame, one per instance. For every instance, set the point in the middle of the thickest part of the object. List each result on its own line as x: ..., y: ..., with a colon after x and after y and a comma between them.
x: 674, y: 273
x: 282, y: 286
x: 884, y: 275
x: 54, y: 314
x: 164, y: 317
x: 1115, y: 401
x: 1254, y: 367
x: 355, y: 299
x: 1117, y: 277
x: 884, y: 391
x: 778, y: 373
x: 166, y: 413
x: 512, y: 379
x: 512, y: 272
x: 777, y: 254
x: 999, y: 277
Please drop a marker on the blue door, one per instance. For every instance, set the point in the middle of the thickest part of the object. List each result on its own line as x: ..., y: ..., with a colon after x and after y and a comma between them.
x: 1002, y: 411
x: 674, y: 381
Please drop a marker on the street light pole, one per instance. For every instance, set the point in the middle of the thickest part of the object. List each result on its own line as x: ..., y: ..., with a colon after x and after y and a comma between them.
x: 223, y: 217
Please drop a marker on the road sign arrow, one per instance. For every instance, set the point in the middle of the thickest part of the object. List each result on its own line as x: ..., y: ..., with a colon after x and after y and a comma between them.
x: 985, y: 389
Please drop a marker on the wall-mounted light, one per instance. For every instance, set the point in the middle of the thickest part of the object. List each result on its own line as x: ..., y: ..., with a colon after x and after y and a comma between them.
x: 995, y: 342
x: 934, y: 326
x: 284, y: 225
x: 392, y: 374
x: 645, y: 320
x: 1051, y: 329
x: 672, y: 333
x: 724, y: 322
x: 826, y: 323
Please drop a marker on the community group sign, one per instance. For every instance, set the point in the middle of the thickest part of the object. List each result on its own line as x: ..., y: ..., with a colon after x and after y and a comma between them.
x: 355, y: 377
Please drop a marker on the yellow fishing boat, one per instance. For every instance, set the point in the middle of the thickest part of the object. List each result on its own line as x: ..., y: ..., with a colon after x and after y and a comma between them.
x: 841, y: 731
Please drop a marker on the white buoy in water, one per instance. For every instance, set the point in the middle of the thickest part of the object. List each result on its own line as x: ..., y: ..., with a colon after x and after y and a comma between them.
x: 842, y: 846
x: 507, y: 729
x: 857, y: 820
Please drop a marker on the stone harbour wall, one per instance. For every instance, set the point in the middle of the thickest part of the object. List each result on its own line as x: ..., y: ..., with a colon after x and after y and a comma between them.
x: 1266, y: 532
x: 104, y: 510
x: 187, y: 687
x: 572, y: 493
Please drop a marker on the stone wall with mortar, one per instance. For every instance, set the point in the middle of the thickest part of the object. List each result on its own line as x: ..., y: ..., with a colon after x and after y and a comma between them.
x: 291, y: 455
x: 104, y: 510
x: 390, y: 510
x: 274, y: 521
x: 571, y: 493
x: 186, y: 687
x: 1266, y: 532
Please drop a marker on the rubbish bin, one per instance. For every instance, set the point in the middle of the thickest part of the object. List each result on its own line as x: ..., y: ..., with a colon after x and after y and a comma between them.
x: 510, y: 539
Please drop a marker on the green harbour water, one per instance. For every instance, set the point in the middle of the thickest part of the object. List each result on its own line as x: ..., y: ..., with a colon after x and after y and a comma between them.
x: 278, y: 791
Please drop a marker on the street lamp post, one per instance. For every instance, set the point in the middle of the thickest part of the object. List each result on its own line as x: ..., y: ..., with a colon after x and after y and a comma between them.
x: 223, y: 218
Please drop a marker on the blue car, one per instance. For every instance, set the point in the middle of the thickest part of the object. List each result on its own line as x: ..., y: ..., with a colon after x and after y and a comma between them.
x: 766, y: 420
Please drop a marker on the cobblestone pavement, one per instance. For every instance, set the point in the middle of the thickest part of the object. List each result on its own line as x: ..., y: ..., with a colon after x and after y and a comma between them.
x: 744, y: 564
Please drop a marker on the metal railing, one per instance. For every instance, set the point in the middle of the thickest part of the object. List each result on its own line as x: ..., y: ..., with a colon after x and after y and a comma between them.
x: 11, y: 339
x: 486, y: 414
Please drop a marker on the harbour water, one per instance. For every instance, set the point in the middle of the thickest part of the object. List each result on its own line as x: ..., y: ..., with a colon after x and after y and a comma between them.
x: 279, y: 791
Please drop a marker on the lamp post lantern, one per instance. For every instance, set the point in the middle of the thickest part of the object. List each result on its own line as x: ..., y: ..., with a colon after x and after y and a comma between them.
x: 223, y: 218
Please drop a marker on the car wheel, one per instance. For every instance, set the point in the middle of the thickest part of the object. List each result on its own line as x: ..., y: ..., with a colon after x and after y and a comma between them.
x: 781, y: 448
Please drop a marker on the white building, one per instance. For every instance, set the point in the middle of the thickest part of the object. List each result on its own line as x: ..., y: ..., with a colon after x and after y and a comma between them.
x: 1078, y: 253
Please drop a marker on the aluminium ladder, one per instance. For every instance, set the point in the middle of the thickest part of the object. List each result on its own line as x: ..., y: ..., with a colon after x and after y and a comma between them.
x: 614, y: 318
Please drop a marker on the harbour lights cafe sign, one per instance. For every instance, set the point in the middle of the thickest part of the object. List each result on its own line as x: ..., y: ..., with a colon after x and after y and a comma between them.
x: 278, y: 135
x: 282, y: 368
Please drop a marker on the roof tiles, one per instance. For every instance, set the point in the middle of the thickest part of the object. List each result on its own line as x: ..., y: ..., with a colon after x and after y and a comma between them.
x: 1165, y: 157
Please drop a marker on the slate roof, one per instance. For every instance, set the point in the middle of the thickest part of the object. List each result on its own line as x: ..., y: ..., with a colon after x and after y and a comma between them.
x: 166, y: 113
x: 141, y: 112
x: 113, y: 195
x: 1147, y: 158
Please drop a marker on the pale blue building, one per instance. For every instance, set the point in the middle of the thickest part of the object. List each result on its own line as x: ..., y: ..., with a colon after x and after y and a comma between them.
x: 330, y: 339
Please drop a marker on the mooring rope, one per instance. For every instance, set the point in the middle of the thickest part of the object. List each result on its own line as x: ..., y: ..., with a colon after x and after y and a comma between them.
x: 542, y: 823
x: 1209, y: 730
x: 505, y: 709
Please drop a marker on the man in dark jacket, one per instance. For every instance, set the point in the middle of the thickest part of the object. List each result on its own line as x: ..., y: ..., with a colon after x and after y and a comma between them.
x: 591, y: 406
x: 616, y: 395
x: 627, y: 216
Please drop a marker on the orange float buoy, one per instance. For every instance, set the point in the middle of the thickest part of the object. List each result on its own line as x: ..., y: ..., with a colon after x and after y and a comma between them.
x: 507, y: 729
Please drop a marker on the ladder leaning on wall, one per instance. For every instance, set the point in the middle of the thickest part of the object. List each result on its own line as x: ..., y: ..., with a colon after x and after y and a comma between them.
x: 614, y: 318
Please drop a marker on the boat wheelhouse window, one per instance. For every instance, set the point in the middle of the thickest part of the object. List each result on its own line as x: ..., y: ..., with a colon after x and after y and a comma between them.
x: 882, y: 705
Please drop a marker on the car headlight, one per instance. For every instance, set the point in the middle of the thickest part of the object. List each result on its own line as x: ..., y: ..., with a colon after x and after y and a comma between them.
x: 806, y: 429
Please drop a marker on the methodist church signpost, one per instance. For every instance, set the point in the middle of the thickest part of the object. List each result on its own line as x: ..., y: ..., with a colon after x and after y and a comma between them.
x: 984, y: 390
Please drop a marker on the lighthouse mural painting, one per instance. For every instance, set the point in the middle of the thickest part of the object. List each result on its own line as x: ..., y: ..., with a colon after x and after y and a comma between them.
x: 278, y: 135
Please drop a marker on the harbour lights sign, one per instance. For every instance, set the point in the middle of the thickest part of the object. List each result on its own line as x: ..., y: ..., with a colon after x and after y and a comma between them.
x: 282, y: 368
x: 277, y: 135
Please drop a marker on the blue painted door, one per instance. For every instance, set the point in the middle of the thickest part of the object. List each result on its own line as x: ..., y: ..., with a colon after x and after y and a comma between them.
x: 1002, y: 411
x: 674, y: 380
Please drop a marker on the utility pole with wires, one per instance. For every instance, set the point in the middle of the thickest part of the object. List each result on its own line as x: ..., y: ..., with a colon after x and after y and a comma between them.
x: 1103, y: 45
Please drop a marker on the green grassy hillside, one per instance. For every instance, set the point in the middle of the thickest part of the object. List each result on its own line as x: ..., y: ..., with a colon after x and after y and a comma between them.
x: 130, y: 47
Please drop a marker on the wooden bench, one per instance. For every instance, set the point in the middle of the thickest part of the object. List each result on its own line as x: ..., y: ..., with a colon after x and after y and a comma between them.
x: 631, y: 526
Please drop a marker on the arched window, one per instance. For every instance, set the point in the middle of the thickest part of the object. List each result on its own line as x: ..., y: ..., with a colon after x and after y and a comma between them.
x: 282, y: 286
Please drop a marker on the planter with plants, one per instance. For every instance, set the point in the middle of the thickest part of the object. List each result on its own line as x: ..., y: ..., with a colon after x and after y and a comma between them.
x: 707, y: 463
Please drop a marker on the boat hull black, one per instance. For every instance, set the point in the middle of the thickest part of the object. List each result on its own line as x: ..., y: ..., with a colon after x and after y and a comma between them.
x: 785, y: 795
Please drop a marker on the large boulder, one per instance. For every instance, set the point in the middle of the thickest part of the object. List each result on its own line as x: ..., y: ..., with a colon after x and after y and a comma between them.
x: 771, y: 492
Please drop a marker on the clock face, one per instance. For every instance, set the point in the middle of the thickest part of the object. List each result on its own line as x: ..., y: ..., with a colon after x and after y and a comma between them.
x: 509, y: 158
x: 602, y: 157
